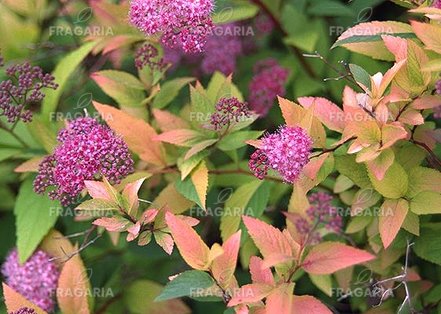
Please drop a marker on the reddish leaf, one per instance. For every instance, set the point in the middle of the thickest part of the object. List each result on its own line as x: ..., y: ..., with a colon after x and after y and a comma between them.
x: 280, y: 300
x: 326, y: 111
x: 250, y: 294
x: 393, y: 214
x: 113, y: 224
x: 149, y: 215
x: 100, y: 190
x: 260, y: 274
x: 57, y: 246
x: 133, y: 231
x: 268, y: 239
x: 328, y: 257
x: 15, y: 301
x: 223, y: 267
x: 137, y: 133
x: 193, y: 250
x: 306, y: 304
x: 73, y: 287
x: 427, y: 102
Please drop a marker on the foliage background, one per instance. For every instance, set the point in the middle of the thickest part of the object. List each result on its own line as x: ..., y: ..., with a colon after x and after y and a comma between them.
x: 310, y: 25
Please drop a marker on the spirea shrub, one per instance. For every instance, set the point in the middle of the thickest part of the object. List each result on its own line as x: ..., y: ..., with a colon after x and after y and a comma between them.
x: 195, y: 156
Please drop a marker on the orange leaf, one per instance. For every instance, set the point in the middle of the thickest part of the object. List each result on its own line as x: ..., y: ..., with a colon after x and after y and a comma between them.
x: 30, y: 165
x: 328, y: 257
x: 57, y: 246
x: 429, y: 34
x: 223, y: 267
x: 294, y: 114
x: 199, y: 177
x: 193, y: 250
x: 313, y: 167
x: 180, y: 137
x: 137, y: 133
x: 326, y: 111
x: 280, y: 299
x: 15, y: 301
x: 101, y: 190
x: 391, y: 133
x: 307, y: 304
x: 251, y: 293
x: 260, y: 274
x: 381, y: 164
x: 131, y: 193
x: 165, y: 241
x: 73, y: 287
x: 393, y: 214
x: 269, y: 240
x: 168, y: 121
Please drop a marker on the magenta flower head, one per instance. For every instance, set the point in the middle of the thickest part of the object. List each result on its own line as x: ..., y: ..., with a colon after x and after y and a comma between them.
x: 22, y: 88
x: 286, y: 151
x: 222, y: 50
x: 36, y: 279
x: 87, y: 151
x: 24, y: 310
x: 320, y: 215
x: 436, y: 4
x: 228, y: 111
x: 183, y: 22
x: 268, y: 83
x: 148, y: 55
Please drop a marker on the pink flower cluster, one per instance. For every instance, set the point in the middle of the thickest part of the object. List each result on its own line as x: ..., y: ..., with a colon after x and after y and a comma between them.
x: 24, y: 310
x: 148, y: 55
x: 23, y: 88
x: 228, y: 111
x: 286, y: 151
x: 268, y: 82
x: 183, y: 22
x: 221, y: 51
x: 436, y: 4
x: 36, y: 279
x: 321, y: 214
x: 87, y: 151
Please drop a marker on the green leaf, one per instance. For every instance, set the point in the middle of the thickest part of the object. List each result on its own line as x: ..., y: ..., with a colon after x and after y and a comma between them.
x: 62, y: 72
x: 425, y: 203
x: 35, y: 216
x: 234, y: 14
x: 370, y: 38
x: 186, y: 284
x: 140, y: 298
x: 201, y: 106
x: 394, y: 184
x: 427, y: 245
x: 249, y: 199
x: 423, y: 179
x: 346, y: 165
x: 360, y: 75
x: 237, y: 139
x: 330, y: 8
x: 170, y: 90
